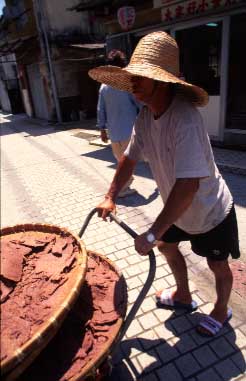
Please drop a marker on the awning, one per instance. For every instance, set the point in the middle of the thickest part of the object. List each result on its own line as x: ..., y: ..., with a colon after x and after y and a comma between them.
x: 88, y: 46
x: 83, y: 6
x: 90, y: 4
x: 74, y: 51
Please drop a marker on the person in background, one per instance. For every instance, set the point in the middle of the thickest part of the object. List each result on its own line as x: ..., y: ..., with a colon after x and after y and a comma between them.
x: 116, y: 114
x: 198, y: 206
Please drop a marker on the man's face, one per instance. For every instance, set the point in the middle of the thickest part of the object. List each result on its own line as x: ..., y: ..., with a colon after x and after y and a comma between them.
x: 143, y: 88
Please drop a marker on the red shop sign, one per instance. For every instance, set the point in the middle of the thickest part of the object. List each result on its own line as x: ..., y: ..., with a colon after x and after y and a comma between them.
x: 194, y: 8
x: 126, y: 17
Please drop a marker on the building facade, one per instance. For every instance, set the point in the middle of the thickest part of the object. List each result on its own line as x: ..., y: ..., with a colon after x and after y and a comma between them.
x: 54, y: 49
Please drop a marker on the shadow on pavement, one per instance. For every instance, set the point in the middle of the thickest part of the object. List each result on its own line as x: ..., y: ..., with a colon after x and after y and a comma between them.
x: 105, y: 154
x: 234, y: 183
x: 21, y: 123
x: 136, y: 199
x: 37, y: 127
x: 102, y: 154
x: 187, y: 353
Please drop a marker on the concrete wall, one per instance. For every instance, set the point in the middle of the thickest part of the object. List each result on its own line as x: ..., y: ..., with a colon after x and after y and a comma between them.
x: 8, y: 65
x: 4, y: 98
x: 59, y: 19
x: 28, y: 26
x: 67, y: 75
x: 211, y: 114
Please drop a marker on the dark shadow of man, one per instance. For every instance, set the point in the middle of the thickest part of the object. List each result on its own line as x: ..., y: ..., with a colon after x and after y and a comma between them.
x: 184, y: 356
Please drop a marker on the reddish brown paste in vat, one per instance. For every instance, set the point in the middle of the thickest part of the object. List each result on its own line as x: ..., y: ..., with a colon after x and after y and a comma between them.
x: 88, y: 327
x: 34, y: 266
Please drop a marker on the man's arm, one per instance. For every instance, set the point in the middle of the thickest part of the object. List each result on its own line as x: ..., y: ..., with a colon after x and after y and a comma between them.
x: 179, y: 200
x: 102, y: 116
x: 123, y: 173
x: 104, y: 135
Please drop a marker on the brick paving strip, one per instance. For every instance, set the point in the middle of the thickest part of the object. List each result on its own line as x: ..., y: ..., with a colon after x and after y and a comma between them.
x: 56, y: 178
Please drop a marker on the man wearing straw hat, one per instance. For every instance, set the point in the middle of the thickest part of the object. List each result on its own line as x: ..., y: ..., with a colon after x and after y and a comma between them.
x: 198, y: 206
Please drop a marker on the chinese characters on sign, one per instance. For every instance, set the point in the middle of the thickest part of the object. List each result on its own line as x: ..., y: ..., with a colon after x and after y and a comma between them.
x: 126, y: 17
x: 175, y: 9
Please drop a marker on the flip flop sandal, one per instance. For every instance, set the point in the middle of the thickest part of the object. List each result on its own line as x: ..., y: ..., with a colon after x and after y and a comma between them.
x: 166, y: 301
x: 212, y: 326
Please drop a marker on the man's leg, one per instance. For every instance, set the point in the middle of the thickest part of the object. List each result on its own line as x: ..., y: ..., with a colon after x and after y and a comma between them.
x: 178, y: 266
x: 118, y: 149
x: 223, y: 283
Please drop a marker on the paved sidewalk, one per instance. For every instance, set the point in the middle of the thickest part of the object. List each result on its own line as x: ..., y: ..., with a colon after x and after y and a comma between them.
x: 54, y: 177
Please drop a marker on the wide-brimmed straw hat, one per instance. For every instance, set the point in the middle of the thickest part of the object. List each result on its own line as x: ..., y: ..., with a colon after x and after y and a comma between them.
x: 157, y: 57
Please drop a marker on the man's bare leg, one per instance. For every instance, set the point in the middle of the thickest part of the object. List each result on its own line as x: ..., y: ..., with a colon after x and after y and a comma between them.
x: 223, y: 283
x: 178, y: 267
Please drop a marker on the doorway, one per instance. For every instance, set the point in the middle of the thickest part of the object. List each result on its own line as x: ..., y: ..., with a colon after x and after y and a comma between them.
x: 37, y: 91
x: 236, y: 101
x: 200, y: 64
x: 200, y: 55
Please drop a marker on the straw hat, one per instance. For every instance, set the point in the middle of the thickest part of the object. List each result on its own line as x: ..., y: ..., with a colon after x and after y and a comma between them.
x: 156, y: 56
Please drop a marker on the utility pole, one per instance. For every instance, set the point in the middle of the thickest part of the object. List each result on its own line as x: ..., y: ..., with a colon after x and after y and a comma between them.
x: 40, y: 17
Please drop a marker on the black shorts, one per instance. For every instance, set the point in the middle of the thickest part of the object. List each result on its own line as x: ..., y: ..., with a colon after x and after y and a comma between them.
x: 217, y: 244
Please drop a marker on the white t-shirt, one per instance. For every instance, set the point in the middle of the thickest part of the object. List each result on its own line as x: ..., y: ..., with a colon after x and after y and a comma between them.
x: 177, y: 146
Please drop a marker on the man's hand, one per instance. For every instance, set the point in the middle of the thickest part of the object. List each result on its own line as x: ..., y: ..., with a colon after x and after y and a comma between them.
x: 142, y: 246
x: 105, y: 207
x: 104, y: 136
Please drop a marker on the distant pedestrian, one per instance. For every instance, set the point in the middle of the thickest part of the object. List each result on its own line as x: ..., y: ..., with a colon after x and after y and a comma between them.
x: 116, y: 114
x: 198, y: 206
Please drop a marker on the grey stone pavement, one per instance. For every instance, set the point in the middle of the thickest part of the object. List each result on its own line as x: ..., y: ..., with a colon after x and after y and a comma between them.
x: 50, y: 175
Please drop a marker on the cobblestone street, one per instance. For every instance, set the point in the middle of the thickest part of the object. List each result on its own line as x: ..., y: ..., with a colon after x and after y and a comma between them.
x: 51, y: 176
